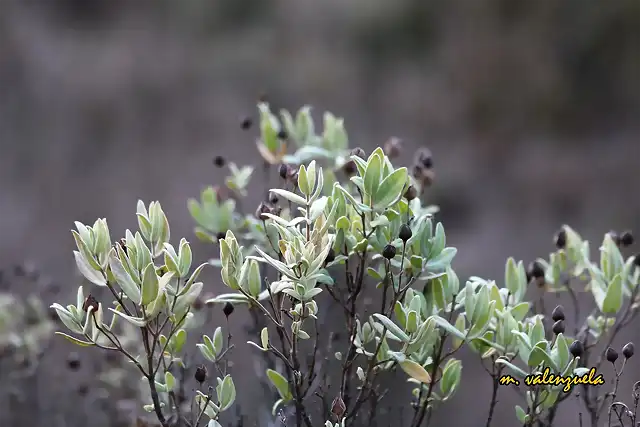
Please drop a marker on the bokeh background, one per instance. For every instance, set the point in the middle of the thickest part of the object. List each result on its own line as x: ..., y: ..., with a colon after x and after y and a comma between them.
x: 531, y: 109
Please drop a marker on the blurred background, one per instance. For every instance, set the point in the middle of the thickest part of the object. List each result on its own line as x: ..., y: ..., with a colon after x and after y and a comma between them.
x: 530, y: 108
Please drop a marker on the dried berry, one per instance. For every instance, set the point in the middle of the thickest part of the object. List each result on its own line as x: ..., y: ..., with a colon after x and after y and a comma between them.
x: 283, y: 170
x: 221, y: 235
x: 561, y: 239
x: 558, y: 327
x: 628, y: 350
x: 219, y: 161
x: 558, y: 313
x: 350, y: 168
x: 536, y: 270
x: 411, y: 193
x: 282, y: 134
x: 423, y: 175
x: 576, y: 348
x: 273, y: 198
x: 198, y: 303
x: 358, y: 152
x: 626, y: 238
x: 611, y: 355
x: 227, y: 309
x: 200, y: 374
x: 263, y: 208
x: 331, y: 256
x: 424, y: 158
x: 389, y: 252
x: 90, y: 302
x: 393, y: 147
x: 405, y: 233
x: 73, y: 361
x: 338, y: 408
x: 246, y: 123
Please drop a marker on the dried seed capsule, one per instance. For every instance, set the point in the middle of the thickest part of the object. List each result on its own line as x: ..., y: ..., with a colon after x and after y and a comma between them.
x: 338, y: 408
x: 227, y: 309
x: 424, y: 158
x: 350, y: 168
x: 90, y: 302
x: 626, y: 238
x: 273, y: 198
x: 393, y: 147
x: 219, y: 161
x: 628, y: 350
x: 536, y: 270
x: 576, y: 348
x: 560, y: 239
x: 358, y: 152
x: 246, y: 123
x: 221, y: 235
x: 636, y: 260
x: 558, y: 313
x: 411, y: 193
x: 263, y: 208
x: 405, y: 233
x: 611, y: 355
x: 201, y: 374
x: 283, y: 171
x: 558, y: 327
x: 389, y: 252
x: 282, y: 134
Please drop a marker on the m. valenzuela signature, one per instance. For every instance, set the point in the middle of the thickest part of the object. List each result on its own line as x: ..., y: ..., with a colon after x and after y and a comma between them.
x: 547, y: 378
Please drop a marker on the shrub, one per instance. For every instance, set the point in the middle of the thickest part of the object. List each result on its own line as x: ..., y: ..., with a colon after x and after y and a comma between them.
x: 348, y: 230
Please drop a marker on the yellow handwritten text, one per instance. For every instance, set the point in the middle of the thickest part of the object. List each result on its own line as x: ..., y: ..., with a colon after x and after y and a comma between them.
x: 547, y: 378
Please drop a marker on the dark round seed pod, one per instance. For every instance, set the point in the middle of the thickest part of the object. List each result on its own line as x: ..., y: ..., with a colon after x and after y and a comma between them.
x: 219, y: 161
x: 282, y: 134
x: 358, y: 152
x: 424, y: 158
x: 200, y: 374
x: 246, y: 123
x: 273, y: 198
x: 331, y: 256
x: 405, y: 233
x: 558, y: 327
x: 221, y: 235
x: 628, y: 350
x: 576, y: 348
x: 558, y: 313
x: 411, y: 193
x: 626, y: 238
x: 350, y: 168
x: 561, y: 239
x: 393, y: 147
x: 73, y: 361
x: 338, y: 407
x: 389, y: 252
x: 228, y: 309
x: 611, y: 355
x: 90, y: 302
x: 283, y: 171
x: 636, y: 260
x: 198, y: 304
x: 536, y: 270
x: 263, y: 208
